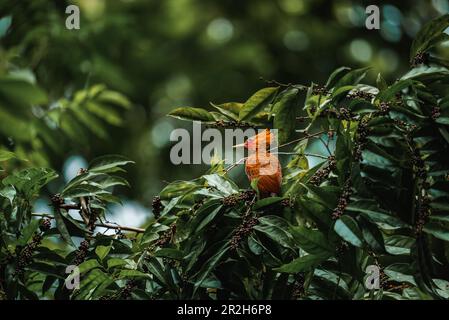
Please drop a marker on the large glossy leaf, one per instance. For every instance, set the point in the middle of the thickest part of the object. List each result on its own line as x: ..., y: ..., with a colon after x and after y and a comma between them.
x: 192, y: 114
x: 108, y: 163
x: 285, y: 111
x: 347, y: 228
x: 303, y: 264
x: 312, y: 241
x: 257, y: 102
x: 225, y: 186
x: 277, y: 229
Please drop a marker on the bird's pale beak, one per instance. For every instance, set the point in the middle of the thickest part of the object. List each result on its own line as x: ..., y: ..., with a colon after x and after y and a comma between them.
x: 238, y: 145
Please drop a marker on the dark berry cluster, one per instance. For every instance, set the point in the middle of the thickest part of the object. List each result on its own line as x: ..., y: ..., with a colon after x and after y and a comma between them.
x: 287, y: 203
x: 92, y: 216
x: 81, y: 253
x: 57, y: 200
x: 119, y: 234
x: 298, y: 286
x: 344, y: 114
x: 318, y: 90
x: 243, y: 231
x: 343, y: 201
x: 420, y: 58
x: 235, y: 199
x: 198, y: 205
x: 45, y: 225
x: 323, y: 173
x: 247, y: 195
x: 419, y: 165
x: 396, y: 287
x: 436, y: 113
x: 26, y: 255
x: 361, y: 139
x: 423, y: 214
x: 384, y: 108
x: 157, y: 206
x: 230, y: 124
x: 167, y: 236
x: 329, y: 113
x: 358, y: 94
x: 230, y: 201
x: 126, y: 291
x: 342, y: 248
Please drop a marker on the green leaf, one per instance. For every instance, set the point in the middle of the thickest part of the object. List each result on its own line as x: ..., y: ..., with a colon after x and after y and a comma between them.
x: 353, y: 77
x: 103, y: 251
x: 116, y: 262
x: 399, y: 244
x: 285, y: 111
x: 257, y: 102
x: 347, y: 228
x: 277, y: 229
x: 388, y: 93
x: 30, y: 180
x: 303, y: 264
x: 5, y: 23
x: 115, y: 98
x: 21, y: 93
x: 170, y: 253
x: 9, y: 193
x: 28, y: 231
x: 124, y: 274
x: 265, y: 202
x: 312, y: 241
x: 437, y: 230
x: 108, y: 163
x: 212, y: 262
x: 88, y: 265
x: 84, y: 190
x: 205, y: 215
x: 400, y: 272
x: 372, y: 235
x: 152, y: 233
x: 60, y: 224
x: 6, y: 155
x: 230, y: 109
x: 335, y: 76
x: 381, y: 82
x: 192, y: 114
x: 370, y: 209
x: 225, y: 186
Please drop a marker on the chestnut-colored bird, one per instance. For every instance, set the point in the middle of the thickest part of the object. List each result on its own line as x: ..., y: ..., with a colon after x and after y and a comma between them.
x: 263, y: 165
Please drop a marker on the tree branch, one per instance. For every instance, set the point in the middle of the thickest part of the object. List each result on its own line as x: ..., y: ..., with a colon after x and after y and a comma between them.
x: 103, y: 225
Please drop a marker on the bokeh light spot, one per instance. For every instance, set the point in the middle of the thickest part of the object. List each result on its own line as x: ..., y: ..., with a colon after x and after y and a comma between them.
x: 160, y: 133
x: 296, y: 40
x: 361, y: 50
x: 220, y: 30
x: 72, y: 166
x: 389, y: 60
x: 390, y: 31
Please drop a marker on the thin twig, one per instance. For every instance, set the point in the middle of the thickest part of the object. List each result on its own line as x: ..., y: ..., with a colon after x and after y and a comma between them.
x: 304, y: 154
x: 67, y: 206
x: 325, y: 145
x: 234, y: 165
x: 103, y: 225
x: 299, y: 139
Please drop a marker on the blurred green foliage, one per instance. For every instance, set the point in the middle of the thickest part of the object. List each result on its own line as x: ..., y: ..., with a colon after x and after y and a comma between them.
x: 163, y: 54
